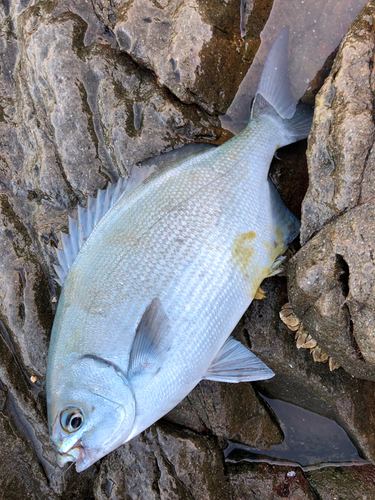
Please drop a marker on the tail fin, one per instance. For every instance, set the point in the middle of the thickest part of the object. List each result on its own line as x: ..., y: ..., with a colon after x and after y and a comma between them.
x: 274, y: 98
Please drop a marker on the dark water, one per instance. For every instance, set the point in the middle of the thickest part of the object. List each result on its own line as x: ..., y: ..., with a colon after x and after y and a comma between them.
x: 310, y: 440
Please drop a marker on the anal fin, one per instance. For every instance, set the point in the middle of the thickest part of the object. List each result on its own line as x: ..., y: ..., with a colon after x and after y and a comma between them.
x: 234, y: 363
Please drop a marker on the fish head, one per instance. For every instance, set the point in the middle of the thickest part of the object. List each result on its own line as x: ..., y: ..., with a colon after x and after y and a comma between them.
x: 91, y: 411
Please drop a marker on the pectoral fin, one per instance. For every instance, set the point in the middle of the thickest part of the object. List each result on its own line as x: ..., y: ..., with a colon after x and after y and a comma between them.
x: 150, y: 342
x: 234, y: 363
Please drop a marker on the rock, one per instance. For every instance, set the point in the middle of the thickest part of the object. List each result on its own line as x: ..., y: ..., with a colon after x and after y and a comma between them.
x: 299, y: 380
x: 344, y: 483
x: 259, y: 481
x: 288, y: 172
x: 17, y: 458
x: 189, y: 44
x: 228, y: 411
x: 101, y: 112
x: 331, y: 279
x: 343, y: 131
x: 85, y: 92
x: 164, y: 463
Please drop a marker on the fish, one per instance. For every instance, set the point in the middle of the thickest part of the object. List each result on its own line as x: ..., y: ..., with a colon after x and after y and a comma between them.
x: 157, y: 271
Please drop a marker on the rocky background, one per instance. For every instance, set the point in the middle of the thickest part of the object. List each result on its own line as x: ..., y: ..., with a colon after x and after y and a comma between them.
x: 87, y: 89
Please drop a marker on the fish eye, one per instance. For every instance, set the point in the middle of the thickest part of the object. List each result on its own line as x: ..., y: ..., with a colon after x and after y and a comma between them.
x: 71, y: 419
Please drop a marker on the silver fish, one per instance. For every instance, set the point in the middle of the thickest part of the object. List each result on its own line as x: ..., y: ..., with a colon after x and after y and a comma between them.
x: 156, y: 274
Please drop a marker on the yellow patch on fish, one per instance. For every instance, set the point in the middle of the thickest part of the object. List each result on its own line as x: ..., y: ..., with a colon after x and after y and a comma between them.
x: 243, y: 249
x: 244, y: 255
x: 279, y: 240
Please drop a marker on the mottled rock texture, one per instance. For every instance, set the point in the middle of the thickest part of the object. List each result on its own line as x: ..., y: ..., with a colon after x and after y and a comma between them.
x: 301, y: 381
x: 87, y: 89
x: 180, y: 464
x: 338, y: 482
x: 192, y: 45
x: 228, y: 411
x: 332, y: 278
x: 262, y: 481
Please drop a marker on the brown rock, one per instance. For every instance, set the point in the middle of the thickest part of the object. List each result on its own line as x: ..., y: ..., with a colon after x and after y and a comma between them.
x: 344, y: 483
x: 191, y: 43
x: 251, y: 481
x: 331, y: 289
x: 164, y: 463
x: 331, y: 279
x: 343, y: 131
x: 230, y: 411
x: 299, y: 380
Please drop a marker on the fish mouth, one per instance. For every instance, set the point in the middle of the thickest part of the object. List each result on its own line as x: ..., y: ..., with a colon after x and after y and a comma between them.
x: 76, y: 454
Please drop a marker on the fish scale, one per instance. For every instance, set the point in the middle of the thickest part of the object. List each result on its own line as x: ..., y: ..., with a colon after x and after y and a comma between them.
x: 130, y: 300
x: 157, y: 287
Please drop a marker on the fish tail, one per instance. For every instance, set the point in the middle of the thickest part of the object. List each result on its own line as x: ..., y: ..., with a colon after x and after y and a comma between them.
x: 274, y: 98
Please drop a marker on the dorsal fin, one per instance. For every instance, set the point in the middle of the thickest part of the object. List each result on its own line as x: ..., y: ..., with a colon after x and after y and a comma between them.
x: 81, y: 228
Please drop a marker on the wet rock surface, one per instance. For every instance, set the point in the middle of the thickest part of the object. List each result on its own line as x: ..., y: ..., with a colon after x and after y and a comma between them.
x: 336, y: 482
x: 266, y: 481
x: 180, y: 464
x: 331, y: 279
x: 261, y: 481
x: 187, y: 44
x: 87, y: 90
x: 299, y: 380
x: 226, y: 411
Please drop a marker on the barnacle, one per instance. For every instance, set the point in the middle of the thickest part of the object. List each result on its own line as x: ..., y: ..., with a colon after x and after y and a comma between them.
x: 303, y: 338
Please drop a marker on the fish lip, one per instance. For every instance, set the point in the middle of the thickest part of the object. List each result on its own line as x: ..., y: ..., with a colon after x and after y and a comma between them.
x: 75, y: 454
x: 79, y: 456
x: 85, y: 464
